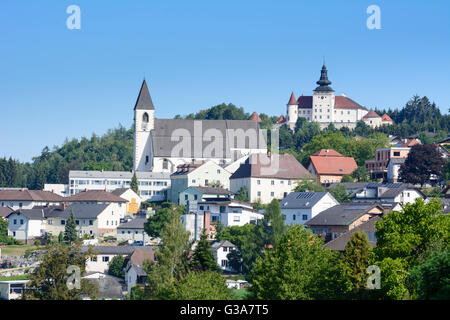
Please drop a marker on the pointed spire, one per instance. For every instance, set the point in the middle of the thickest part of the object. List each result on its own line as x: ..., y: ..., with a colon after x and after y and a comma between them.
x: 292, y: 100
x: 255, y: 116
x: 323, y: 81
x: 144, y: 101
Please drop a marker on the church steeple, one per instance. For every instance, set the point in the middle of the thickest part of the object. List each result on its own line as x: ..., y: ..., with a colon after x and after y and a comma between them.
x: 323, y: 81
x: 144, y: 101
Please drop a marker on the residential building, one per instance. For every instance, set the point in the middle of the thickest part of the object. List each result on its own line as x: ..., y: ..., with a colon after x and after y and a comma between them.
x: 153, y: 186
x: 60, y: 189
x: 132, y: 230
x: 268, y: 177
x: 199, y: 194
x: 198, y: 222
x: 342, y: 218
x: 135, y: 275
x: 27, y: 224
x: 387, y: 192
x: 393, y: 169
x: 368, y: 227
x: 372, y: 119
x: 198, y: 174
x: 324, y: 107
x: 109, y: 287
x: 161, y: 145
x: 330, y: 166
x: 27, y: 199
x: 12, y: 289
x: 299, y: 207
x: 221, y: 249
x: 117, y: 204
x: 4, y: 212
x: 132, y: 198
x: 386, y: 120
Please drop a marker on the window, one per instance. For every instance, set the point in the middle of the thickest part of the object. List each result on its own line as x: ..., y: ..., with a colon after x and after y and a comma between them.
x: 225, y: 249
x: 20, y: 204
x: 259, y: 193
x: 63, y: 222
x: 201, y: 207
x: 396, y: 153
x: 224, y: 263
x: 185, y: 197
x: 282, y: 181
x: 236, y: 218
x: 91, y: 222
x: 15, y: 221
x: 165, y: 164
x: 206, y: 182
x: 14, y: 233
x: 193, y: 180
x: 195, y: 197
x: 145, y: 117
x: 258, y: 181
x: 77, y: 222
x: 218, y: 171
x: 293, y: 217
x: 305, y: 217
x: 50, y: 222
x: 94, y: 259
x: 289, y: 182
x: 146, y: 159
x: 272, y: 182
x: 21, y: 221
x: 105, y: 259
x: 272, y: 194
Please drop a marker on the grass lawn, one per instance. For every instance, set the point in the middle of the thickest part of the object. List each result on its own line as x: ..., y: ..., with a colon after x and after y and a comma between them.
x: 22, y: 277
x: 17, y: 250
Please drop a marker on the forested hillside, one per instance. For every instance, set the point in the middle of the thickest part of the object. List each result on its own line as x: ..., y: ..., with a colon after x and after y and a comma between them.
x: 114, y: 150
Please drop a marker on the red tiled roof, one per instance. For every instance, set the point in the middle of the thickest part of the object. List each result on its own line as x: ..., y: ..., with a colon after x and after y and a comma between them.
x: 30, y: 195
x: 281, y: 119
x: 292, y: 99
x: 333, y: 165
x: 371, y: 114
x: 327, y: 153
x: 385, y: 117
x: 409, y: 143
x: 187, y: 167
x: 342, y: 102
x: 255, y: 116
x: 95, y: 196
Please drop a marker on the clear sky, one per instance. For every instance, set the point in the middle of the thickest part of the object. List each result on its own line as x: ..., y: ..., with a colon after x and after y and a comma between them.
x: 57, y: 83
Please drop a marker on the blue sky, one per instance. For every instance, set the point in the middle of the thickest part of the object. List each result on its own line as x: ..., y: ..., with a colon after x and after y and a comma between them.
x: 57, y: 83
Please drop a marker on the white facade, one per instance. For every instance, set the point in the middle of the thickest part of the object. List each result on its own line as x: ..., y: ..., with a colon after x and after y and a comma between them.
x: 60, y: 189
x: 153, y: 186
x: 23, y: 228
x: 265, y: 189
x: 230, y: 213
x: 144, y: 122
x: 220, y: 254
x: 100, y: 263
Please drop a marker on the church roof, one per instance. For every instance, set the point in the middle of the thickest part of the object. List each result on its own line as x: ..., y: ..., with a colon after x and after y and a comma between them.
x: 144, y: 101
x: 385, y: 117
x: 255, y: 116
x: 292, y: 100
x: 323, y: 81
x: 371, y: 114
x: 163, y: 145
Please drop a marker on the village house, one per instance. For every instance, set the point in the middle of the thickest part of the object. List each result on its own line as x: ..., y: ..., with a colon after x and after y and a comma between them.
x: 268, y: 177
x: 330, y: 166
x: 132, y: 230
x: 135, y: 275
x: 197, y: 174
x: 199, y: 194
x: 393, y: 169
x: 221, y: 249
x: 12, y: 289
x: 401, y: 193
x: 4, y: 212
x: 198, y: 223
x: 132, y: 198
x: 342, y: 218
x: 27, y: 199
x: 299, y: 207
x: 27, y: 224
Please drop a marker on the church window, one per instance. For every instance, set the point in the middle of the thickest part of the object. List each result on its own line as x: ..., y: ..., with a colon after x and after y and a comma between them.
x: 145, y: 117
x: 165, y: 164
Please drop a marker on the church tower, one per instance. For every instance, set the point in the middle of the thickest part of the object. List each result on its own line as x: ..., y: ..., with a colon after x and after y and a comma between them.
x: 144, y: 123
x: 323, y: 99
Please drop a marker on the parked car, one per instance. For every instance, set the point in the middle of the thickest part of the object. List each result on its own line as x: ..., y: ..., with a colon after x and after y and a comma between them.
x: 138, y: 243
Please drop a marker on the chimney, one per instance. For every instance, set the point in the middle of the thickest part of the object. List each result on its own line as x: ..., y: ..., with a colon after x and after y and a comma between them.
x: 207, y: 222
x: 23, y: 189
x: 268, y: 154
x: 63, y: 206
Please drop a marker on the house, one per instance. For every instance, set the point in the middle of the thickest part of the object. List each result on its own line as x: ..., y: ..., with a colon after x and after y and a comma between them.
x: 132, y: 230
x: 221, y: 249
x: 117, y: 204
x: 27, y: 224
x: 109, y: 287
x: 393, y: 169
x: 330, y: 166
x: 12, y: 289
x: 372, y: 119
x: 133, y: 199
x: 200, y: 193
x: 133, y: 267
x: 268, y: 177
x: 153, y: 186
x: 58, y: 188
x: 197, y: 174
x: 368, y: 227
x: 350, y: 186
x: 161, y: 145
x: 342, y: 218
x: 386, y: 120
x: 299, y: 207
x: 387, y: 192
x: 27, y: 199
x: 197, y: 223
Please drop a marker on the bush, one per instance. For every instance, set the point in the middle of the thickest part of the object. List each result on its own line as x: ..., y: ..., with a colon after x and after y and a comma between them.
x: 37, y: 243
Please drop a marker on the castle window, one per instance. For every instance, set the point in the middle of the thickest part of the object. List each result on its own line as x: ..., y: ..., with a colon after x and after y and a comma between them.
x: 145, y: 117
x: 165, y: 164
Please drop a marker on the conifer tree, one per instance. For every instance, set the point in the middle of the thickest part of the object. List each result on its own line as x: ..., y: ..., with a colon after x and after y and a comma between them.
x: 70, y: 232
x: 356, y: 258
x: 134, y: 183
x: 203, y: 258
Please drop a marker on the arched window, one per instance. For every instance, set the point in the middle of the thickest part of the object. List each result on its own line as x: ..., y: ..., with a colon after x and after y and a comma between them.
x: 145, y: 117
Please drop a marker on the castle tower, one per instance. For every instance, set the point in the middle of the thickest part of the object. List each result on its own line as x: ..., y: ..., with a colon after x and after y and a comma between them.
x: 323, y: 99
x: 292, y: 110
x: 144, y: 123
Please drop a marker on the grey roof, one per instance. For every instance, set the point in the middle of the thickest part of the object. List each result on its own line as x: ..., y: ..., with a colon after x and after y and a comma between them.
x: 341, y: 215
x: 123, y: 250
x: 340, y: 242
x: 397, y: 160
x: 5, y: 211
x: 164, y: 129
x: 109, y: 288
x: 119, y: 191
x: 302, y: 200
x: 351, y: 185
x: 224, y: 243
x: 136, y: 223
x: 74, y: 174
x: 445, y: 205
x: 144, y: 100
x: 80, y: 211
x: 36, y: 213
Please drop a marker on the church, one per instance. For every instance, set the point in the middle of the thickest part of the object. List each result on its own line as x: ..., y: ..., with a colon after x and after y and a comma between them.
x: 324, y: 107
x: 160, y: 145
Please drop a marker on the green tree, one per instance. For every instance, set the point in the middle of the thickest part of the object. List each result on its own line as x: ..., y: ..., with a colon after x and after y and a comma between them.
x: 299, y: 268
x: 273, y: 222
x: 115, y: 266
x: 347, y: 178
x: 49, y: 280
x: 70, y: 231
x: 310, y: 185
x: 339, y: 192
x: 361, y: 174
x: 356, y: 258
x: 235, y: 260
x: 242, y: 195
x: 61, y: 237
x: 207, y: 285
x: 156, y: 222
x: 203, y: 257
x: 3, y: 231
x: 134, y: 183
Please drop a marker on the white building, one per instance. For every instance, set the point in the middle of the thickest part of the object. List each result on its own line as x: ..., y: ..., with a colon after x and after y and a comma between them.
x: 132, y: 230
x: 153, y: 186
x: 299, y: 207
x: 387, y: 192
x: 229, y: 212
x: 161, y: 145
x: 26, y: 224
x: 221, y: 249
x: 324, y: 107
x: 268, y: 177
x: 12, y: 289
x: 60, y: 189
x: 132, y: 198
x: 27, y: 199
x: 393, y: 168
